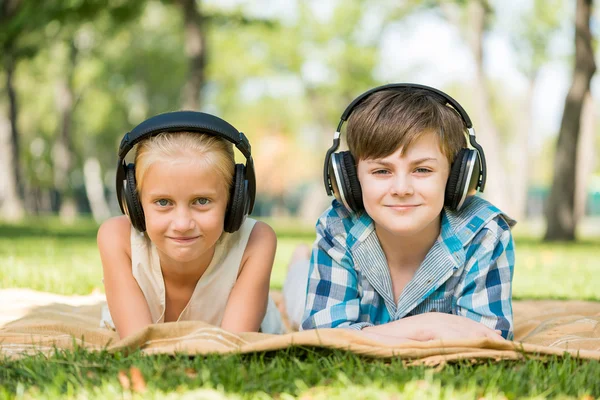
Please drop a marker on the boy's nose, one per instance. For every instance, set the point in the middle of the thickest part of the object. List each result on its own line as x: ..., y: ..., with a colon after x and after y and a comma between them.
x: 401, y: 186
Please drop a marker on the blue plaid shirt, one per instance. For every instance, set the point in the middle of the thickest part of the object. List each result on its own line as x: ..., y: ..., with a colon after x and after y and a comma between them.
x: 468, y: 271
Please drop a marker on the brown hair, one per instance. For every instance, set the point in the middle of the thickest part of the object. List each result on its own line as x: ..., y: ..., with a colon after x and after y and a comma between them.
x: 177, y: 146
x: 394, y: 118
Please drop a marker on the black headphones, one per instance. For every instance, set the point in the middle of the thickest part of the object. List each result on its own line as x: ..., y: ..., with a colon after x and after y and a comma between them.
x: 243, y: 189
x: 467, y: 173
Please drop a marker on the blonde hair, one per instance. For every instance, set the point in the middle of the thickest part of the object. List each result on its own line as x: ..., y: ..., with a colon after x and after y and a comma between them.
x: 395, y: 118
x: 177, y: 145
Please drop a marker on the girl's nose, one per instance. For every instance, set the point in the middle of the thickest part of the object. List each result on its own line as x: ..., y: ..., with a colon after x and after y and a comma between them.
x: 183, y: 220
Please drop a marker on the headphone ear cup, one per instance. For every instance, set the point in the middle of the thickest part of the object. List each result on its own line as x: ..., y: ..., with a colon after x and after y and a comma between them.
x: 455, y: 187
x: 350, y: 183
x: 132, y: 201
x: 238, y: 206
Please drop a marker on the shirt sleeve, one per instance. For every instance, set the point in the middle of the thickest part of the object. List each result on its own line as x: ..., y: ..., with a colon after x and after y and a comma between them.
x: 487, y: 286
x: 333, y: 299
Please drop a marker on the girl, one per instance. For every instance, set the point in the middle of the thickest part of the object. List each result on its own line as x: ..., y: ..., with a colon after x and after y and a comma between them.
x: 185, y: 250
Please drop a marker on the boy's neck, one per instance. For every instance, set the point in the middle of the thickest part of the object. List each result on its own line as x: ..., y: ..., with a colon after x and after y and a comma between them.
x: 408, y: 251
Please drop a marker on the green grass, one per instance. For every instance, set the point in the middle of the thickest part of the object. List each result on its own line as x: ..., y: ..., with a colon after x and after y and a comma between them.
x: 296, y: 372
x: 44, y: 255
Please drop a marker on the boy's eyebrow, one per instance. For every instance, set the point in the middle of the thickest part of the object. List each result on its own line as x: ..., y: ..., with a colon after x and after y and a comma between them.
x: 424, y: 159
x: 414, y: 162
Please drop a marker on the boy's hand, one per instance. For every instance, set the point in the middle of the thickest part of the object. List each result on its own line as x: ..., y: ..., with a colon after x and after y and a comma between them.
x: 434, y: 326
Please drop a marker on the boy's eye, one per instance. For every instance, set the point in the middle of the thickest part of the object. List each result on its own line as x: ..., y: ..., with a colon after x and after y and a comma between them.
x: 422, y: 170
x: 162, y: 202
x: 202, y: 201
x: 380, y: 172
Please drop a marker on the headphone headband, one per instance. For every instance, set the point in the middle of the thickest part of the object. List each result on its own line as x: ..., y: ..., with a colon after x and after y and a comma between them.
x: 366, y: 94
x: 191, y: 121
x: 188, y: 121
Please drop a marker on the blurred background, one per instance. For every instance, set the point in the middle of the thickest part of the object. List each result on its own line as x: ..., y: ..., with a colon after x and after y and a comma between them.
x: 77, y: 75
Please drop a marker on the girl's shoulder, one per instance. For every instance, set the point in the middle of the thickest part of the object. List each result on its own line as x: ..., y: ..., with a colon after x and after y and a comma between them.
x: 262, y: 234
x: 115, y: 234
x: 262, y: 240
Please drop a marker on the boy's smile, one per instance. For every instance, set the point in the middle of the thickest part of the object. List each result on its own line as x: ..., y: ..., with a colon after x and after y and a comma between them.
x: 404, y: 193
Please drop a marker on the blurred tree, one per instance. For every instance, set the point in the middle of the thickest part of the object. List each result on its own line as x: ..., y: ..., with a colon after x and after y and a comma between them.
x: 473, y: 18
x: 531, y: 39
x: 24, y: 34
x: 195, y: 52
x: 560, y: 212
x: 11, y: 179
x: 586, y: 156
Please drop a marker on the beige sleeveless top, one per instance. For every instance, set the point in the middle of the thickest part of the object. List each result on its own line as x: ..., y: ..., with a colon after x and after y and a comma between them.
x: 212, y: 291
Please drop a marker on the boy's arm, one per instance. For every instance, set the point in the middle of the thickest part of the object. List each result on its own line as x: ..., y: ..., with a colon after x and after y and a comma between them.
x: 486, y: 291
x: 333, y: 299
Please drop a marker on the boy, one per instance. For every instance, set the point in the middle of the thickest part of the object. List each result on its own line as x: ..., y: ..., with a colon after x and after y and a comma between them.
x: 405, y: 250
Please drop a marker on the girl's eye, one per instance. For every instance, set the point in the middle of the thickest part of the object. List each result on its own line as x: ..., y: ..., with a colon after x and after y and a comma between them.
x: 202, y: 201
x: 162, y: 202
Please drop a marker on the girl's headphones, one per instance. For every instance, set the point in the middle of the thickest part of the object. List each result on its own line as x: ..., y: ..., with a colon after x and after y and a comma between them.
x: 467, y: 173
x: 243, y: 189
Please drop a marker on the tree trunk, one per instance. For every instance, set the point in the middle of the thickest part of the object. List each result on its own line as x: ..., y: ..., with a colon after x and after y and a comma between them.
x: 94, y: 188
x: 586, y: 156
x: 12, y: 198
x: 195, y: 50
x: 487, y: 134
x: 10, y: 201
x: 560, y: 211
x: 62, y: 152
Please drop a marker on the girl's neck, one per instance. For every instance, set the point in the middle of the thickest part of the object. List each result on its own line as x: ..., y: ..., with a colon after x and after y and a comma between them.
x: 411, y: 250
x: 185, y: 273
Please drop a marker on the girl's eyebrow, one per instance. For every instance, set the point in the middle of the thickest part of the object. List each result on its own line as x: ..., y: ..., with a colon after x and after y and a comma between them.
x: 198, y: 194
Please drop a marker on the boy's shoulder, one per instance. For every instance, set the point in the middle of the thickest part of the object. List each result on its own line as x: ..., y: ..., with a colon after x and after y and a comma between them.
x: 336, y: 221
x: 477, y: 214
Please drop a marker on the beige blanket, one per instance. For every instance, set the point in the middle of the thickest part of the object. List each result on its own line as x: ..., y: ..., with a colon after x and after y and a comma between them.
x: 34, y: 321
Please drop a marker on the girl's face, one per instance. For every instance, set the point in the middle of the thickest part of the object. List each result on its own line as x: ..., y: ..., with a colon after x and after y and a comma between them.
x: 184, y: 203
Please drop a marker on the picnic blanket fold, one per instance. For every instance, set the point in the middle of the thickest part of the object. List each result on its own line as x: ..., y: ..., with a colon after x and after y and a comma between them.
x: 542, y: 328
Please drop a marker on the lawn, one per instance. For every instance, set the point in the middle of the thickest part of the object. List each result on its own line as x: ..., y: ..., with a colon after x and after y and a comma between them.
x: 43, y: 255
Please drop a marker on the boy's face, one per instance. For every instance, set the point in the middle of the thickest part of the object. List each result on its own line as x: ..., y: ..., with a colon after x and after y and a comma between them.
x: 404, y: 194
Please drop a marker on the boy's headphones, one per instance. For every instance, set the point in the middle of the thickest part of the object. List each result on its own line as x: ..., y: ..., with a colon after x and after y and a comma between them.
x: 243, y: 189
x: 467, y: 173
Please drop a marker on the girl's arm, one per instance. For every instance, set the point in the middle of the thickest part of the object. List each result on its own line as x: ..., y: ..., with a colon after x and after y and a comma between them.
x: 126, y: 302
x: 247, y: 302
